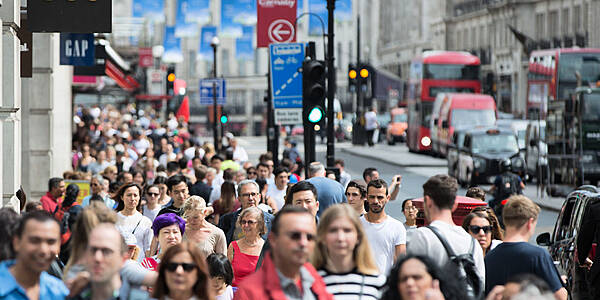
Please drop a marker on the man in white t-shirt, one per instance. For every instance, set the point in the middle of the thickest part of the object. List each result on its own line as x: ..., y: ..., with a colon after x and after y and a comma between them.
x: 371, y: 124
x: 277, y: 191
x: 439, y: 194
x: 386, y: 235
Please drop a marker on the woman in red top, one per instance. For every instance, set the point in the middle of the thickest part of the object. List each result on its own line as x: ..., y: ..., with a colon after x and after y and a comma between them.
x: 169, y: 229
x: 244, y: 253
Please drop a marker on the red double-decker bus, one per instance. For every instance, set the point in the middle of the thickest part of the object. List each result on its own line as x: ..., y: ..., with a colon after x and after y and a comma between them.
x: 432, y: 73
x: 552, y: 76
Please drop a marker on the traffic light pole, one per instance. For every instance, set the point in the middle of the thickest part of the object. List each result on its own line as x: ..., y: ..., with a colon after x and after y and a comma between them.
x: 215, y: 130
x: 272, y: 129
x: 358, y: 132
x: 331, y: 86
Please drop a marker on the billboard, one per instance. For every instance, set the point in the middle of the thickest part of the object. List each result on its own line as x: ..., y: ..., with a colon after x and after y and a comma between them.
x: 190, y: 15
x: 205, y: 51
x: 172, y: 45
x: 243, y: 45
x: 235, y: 14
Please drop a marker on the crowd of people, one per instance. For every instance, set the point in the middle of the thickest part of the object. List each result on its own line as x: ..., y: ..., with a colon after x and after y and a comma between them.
x: 170, y: 218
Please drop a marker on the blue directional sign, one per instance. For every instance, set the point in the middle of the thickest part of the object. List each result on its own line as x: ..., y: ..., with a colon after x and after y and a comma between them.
x: 286, y: 78
x: 207, y: 88
x: 77, y: 49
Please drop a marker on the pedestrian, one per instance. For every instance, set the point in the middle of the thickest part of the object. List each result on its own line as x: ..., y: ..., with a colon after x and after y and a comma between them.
x: 65, y: 209
x: 165, y: 199
x: 105, y: 256
x: 344, y: 176
x: 410, y: 214
x: 329, y: 192
x: 251, y: 173
x: 371, y: 125
x: 200, y: 188
x: 244, y: 253
x: 267, y: 204
x: 239, y: 153
x: 416, y: 277
x: 590, y: 233
x: 286, y: 272
x: 522, y: 287
x: 178, y: 190
x: 37, y: 238
x: 497, y: 231
x: 139, y: 177
x: 201, y: 233
x: 168, y: 230
x: 263, y: 171
x: 221, y: 276
x: 227, y: 203
x: 229, y: 163
x: 387, y: 236
x: 394, y: 187
x: 479, y: 226
x: 183, y: 274
x: 277, y: 191
x: 56, y: 190
x: 97, y: 184
x: 305, y: 194
x: 130, y: 218
x: 520, y: 217
x: 152, y: 207
x: 343, y: 256
x: 8, y: 222
x: 439, y: 194
x: 356, y: 193
x: 248, y: 195
x: 476, y: 192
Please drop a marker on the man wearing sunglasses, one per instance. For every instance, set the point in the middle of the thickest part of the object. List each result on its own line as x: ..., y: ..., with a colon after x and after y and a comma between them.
x: 286, y: 272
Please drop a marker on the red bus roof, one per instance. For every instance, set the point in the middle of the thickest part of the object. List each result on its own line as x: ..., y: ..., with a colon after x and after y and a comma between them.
x: 450, y: 57
x: 471, y: 101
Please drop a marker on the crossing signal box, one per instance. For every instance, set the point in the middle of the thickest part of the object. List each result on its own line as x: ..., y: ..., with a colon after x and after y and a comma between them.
x: 352, y: 78
x: 313, y: 91
x: 170, y: 81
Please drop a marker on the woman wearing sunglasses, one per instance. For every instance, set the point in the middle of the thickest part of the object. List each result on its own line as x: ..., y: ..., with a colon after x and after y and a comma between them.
x: 343, y: 257
x: 244, y: 253
x: 479, y: 225
x: 152, y: 207
x: 182, y: 274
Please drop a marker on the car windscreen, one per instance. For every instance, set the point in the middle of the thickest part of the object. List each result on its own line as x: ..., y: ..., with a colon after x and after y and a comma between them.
x: 494, y: 143
x: 462, y: 118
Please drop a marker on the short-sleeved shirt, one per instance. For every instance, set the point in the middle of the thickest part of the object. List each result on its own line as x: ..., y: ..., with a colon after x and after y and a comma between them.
x: 383, y: 238
x: 329, y: 192
x: 524, y: 259
x: 424, y: 242
x: 50, y: 286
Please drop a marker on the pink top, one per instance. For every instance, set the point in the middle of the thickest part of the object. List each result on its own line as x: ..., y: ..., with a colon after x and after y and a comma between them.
x: 243, y: 264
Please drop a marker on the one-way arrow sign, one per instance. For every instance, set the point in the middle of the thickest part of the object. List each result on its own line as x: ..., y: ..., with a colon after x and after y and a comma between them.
x: 275, y: 22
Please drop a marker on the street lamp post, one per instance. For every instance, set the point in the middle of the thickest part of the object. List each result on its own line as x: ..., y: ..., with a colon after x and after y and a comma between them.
x: 214, y: 44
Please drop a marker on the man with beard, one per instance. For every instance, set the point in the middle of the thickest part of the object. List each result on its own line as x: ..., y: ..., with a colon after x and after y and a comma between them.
x: 286, y: 272
x: 387, y: 236
x: 37, y: 239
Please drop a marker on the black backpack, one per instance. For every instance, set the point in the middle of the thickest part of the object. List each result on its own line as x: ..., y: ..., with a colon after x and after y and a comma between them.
x: 463, y: 266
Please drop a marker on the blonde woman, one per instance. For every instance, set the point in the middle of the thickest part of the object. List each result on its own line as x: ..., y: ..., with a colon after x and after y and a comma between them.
x: 343, y: 256
x: 208, y: 237
x: 244, y: 253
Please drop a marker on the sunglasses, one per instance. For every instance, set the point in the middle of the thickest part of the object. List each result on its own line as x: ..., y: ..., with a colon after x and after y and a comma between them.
x: 476, y: 229
x: 251, y: 173
x: 172, y: 267
x: 296, y: 235
x: 249, y: 222
x: 153, y: 194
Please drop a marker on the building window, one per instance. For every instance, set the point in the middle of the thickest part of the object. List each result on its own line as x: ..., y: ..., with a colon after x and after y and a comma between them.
x: 553, y: 23
x: 539, y: 26
x: 586, y: 8
x: 576, y: 18
x: 565, y: 21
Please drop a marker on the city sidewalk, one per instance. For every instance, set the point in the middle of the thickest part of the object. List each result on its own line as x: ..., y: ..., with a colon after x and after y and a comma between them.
x: 399, y: 155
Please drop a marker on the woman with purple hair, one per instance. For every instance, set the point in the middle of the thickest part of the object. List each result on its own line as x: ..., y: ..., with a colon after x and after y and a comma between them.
x: 169, y: 229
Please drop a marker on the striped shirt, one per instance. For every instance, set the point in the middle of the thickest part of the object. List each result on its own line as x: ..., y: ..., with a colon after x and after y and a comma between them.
x: 349, y: 285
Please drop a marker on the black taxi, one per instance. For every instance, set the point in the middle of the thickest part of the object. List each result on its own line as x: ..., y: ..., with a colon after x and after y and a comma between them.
x: 482, y: 151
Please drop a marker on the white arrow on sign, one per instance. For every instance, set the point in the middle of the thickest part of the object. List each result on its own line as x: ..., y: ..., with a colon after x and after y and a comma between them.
x: 279, y: 30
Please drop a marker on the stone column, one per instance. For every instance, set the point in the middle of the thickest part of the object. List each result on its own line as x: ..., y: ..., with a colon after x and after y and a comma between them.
x: 10, y: 116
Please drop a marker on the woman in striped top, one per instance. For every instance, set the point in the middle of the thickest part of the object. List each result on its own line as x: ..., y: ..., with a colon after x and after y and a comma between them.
x: 343, y: 256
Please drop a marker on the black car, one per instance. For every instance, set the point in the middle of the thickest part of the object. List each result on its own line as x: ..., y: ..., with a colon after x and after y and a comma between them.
x: 562, y: 243
x: 456, y: 143
x: 481, y: 153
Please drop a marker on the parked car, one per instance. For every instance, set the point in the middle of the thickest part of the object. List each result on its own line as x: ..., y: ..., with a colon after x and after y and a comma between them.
x: 536, y: 150
x: 464, y: 207
x: 562, y: 242
x: 396, y: 129
x: 461, y: 111
x: 483, y: 150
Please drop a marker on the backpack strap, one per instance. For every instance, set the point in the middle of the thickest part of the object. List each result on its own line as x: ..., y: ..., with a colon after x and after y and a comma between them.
x: 443, y: 240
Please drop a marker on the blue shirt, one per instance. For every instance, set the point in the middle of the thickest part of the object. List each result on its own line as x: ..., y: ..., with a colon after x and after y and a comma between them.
x: 50, y: 286
x: 329, y: 192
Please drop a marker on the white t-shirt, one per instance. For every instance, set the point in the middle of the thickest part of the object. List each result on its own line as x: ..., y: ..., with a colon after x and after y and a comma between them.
x: 141, y: 227
x: 424, y: 242
x: 277, y: 195
x: 370, y: 120
x: 151, y: 213
x: 383, y: 238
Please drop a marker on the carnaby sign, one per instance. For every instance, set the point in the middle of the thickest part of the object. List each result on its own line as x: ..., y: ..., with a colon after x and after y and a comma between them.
x: 276, y: 19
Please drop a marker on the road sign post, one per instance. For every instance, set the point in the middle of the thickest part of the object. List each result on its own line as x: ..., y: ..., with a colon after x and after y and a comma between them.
x: 286, y: 82
x: 275, y: 22
x: 206, y: 91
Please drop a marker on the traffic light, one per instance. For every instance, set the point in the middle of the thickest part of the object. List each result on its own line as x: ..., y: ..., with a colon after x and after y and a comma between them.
x: 313, y: 90
x: 352, y: 78
x: 171, y: 81
x: 224, y: 118
x: 364, y: 79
